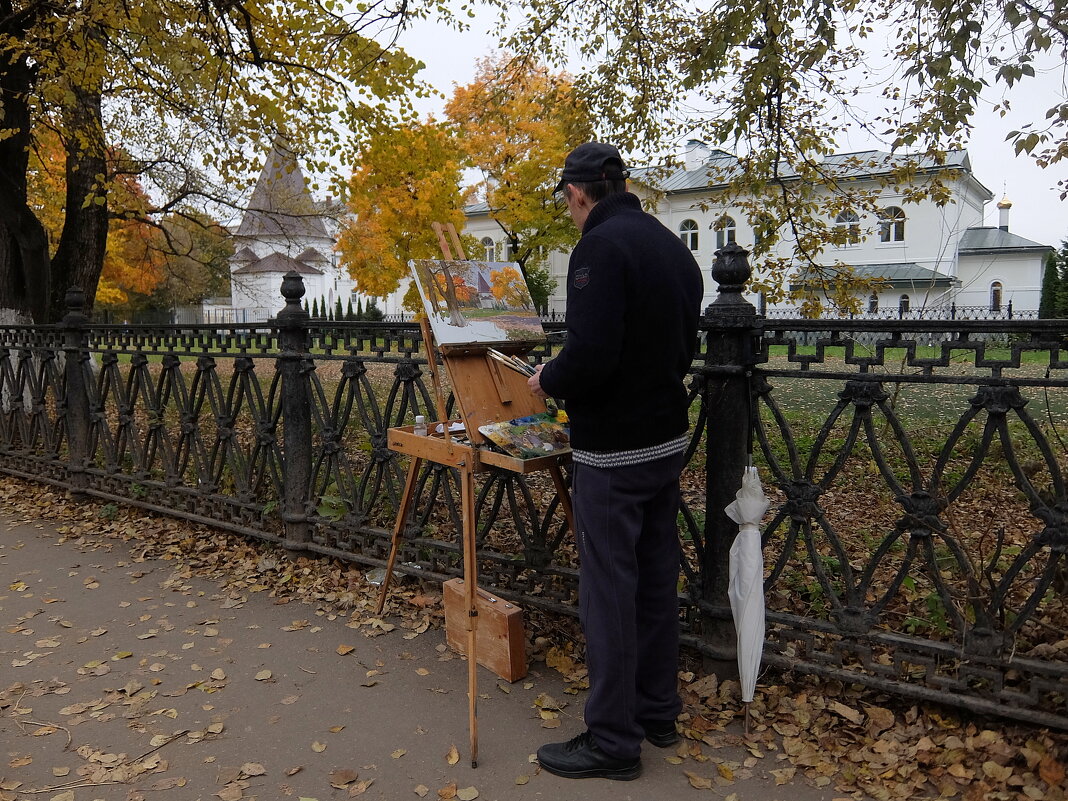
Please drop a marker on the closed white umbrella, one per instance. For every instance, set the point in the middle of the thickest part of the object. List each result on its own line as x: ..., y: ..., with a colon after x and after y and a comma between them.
x: 746, y: 587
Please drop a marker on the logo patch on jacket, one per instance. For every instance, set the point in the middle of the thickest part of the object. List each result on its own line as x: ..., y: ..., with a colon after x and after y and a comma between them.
x: 582, y: 277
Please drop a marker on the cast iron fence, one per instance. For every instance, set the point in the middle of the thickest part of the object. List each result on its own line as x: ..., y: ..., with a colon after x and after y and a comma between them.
x: 926, y: 559
x: 941, y: 311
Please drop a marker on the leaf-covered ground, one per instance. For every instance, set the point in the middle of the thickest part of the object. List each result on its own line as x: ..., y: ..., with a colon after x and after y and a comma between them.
x: 812, y: 739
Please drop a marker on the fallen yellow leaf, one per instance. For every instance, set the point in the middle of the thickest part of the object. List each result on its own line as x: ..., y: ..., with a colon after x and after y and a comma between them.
x: 698, y: 782
x: 342, y: 778
x: 1051, y: 771
x: 997, y: 772
x: 850, y: 714
x: 360, y: 787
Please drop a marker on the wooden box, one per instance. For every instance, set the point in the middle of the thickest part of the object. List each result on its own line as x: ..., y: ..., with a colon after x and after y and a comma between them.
x: 500, y: 643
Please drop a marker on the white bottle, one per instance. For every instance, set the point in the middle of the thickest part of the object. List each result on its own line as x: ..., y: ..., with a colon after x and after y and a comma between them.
x: 420, y: 426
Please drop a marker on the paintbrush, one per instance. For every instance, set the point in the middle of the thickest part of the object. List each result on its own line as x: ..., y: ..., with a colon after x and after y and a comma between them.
x: 512, y: 362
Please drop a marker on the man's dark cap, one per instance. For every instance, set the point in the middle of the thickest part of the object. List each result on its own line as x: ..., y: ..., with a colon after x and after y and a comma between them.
x: 592, y: 161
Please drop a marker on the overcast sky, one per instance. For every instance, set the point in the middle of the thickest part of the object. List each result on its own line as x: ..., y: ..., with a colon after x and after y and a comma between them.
x: 1037, y: 211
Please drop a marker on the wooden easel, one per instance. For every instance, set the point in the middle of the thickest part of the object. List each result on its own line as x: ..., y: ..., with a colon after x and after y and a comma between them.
x: 485, y: 392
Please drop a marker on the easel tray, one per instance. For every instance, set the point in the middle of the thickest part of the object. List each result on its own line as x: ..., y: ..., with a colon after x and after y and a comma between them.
x: 436, y: 448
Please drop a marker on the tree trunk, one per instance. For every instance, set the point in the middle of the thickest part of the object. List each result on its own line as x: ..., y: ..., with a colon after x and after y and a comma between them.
x: 24, y: 266
x: 79, y: 258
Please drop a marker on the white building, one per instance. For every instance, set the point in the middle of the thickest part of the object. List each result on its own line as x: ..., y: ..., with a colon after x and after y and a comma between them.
x: 927, y: 255
x: 284, y: 229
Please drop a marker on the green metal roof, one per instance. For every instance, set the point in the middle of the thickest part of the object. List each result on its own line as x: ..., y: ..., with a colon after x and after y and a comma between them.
x: 896, y: 275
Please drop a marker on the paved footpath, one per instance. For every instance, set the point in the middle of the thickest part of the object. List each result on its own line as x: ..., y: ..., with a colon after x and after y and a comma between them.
x: 122, y: 681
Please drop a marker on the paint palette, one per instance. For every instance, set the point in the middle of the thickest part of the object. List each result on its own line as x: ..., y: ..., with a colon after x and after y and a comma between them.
x: 527, y: 437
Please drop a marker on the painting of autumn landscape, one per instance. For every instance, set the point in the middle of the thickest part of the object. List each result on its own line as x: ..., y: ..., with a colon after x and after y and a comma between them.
x: 476, y: 302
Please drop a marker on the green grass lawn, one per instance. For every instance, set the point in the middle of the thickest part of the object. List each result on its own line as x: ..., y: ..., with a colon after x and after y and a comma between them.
x: 899, y: 355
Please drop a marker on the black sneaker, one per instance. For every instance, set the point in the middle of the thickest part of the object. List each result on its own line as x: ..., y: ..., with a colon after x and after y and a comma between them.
x: 581, y: 758
x: 661, y: 733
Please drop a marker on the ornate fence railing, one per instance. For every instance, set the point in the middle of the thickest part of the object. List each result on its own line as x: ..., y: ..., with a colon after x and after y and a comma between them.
x: 917, y: 541
x: 941, y: 311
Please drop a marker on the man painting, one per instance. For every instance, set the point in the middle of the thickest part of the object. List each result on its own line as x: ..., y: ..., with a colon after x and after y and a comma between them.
x: 633, y: 302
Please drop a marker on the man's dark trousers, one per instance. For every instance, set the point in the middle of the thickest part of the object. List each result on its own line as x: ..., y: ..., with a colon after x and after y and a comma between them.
x: 628, y: 598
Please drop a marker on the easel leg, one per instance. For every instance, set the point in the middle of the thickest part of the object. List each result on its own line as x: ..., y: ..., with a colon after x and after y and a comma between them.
x: 565, y: 496
x: 398, y: 528
x: 467, y: 488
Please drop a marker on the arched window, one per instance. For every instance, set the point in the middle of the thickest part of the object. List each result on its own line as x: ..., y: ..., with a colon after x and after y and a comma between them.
x: 490, y: 248
x: 688, y: 234
x: 873, y: 303
x: 892, y: 225
x: 763, y: 227
x: 849, y: 222
x: 995, y: 296
x: 726, y: 231
x: 903, y: 305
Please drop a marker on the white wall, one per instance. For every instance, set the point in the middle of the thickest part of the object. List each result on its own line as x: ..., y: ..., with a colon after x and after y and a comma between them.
x: 1020, y: 275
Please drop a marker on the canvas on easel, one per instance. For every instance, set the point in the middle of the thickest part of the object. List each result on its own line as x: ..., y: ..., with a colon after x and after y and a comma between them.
x: 477, y: 303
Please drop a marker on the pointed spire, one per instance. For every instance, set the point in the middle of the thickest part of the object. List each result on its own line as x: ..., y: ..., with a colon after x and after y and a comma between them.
x: 281, y: 203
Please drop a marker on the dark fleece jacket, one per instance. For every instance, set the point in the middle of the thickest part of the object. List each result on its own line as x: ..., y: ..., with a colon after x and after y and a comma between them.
x: 633, y: 302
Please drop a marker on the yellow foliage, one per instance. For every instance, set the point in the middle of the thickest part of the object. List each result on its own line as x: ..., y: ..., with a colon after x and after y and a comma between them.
x: 509, y: 287
x: 408, y: 178
x: 516, y: 125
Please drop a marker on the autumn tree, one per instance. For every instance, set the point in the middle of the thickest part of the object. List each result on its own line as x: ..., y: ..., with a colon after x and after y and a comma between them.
x: 134, y: 248
x: 133, y: 252
x: 509, y: 288
x: 407, y: 178
x: 516, y: 124
x: 443, y: 284
x: 187, y: 92
x: 782, y: 84
x: 196, y: 262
